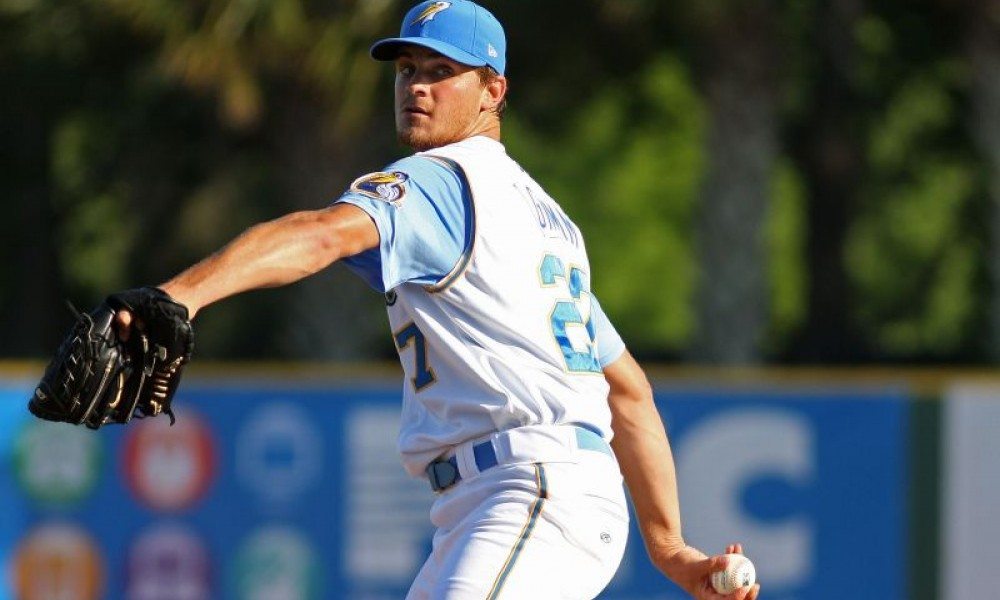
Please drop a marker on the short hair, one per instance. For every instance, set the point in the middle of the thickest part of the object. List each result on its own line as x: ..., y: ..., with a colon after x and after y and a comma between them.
x: 486, y: 76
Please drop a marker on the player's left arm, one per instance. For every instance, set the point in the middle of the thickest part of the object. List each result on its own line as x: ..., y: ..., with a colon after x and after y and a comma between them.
x: 646, y: 460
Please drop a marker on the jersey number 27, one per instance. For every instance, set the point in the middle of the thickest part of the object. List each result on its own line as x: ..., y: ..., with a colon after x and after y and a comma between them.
x: 566, y: 313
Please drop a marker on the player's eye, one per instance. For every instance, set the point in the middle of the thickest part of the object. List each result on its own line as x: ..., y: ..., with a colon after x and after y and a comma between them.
x: 404, y: 70
x: 444, y: 70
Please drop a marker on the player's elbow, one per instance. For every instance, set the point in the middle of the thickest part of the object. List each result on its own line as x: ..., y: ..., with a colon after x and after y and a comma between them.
x: 636, y: 391
x: 321, y: 237
x: 644, y: 390
x: 344, y: 230
x: 627, y: 381
x: 324, y: 246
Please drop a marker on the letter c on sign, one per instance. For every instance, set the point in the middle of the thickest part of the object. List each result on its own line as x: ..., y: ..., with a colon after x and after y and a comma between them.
x: 718, y: 458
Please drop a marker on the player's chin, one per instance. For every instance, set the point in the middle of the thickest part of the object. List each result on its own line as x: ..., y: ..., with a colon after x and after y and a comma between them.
x: 417, y: 138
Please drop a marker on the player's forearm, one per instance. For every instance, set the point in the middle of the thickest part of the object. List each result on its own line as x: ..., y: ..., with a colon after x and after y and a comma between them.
x: 646, y: 461
x: 272, y: 254
x: 647, y: 464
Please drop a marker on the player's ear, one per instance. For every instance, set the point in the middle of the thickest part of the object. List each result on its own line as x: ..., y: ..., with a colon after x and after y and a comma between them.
x: 494, y: 92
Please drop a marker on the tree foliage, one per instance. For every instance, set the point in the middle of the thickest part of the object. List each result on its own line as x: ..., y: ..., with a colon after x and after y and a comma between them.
x: 141, y: 135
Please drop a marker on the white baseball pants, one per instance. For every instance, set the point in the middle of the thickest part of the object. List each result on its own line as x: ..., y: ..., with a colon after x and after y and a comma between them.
x: 543, y: 530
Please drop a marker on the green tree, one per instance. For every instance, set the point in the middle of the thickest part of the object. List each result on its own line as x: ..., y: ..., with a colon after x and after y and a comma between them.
x: 631, y: 183
x: 910, y: 252
x: 165, y: 128
x: 912, y: 249
x: 295, y: 77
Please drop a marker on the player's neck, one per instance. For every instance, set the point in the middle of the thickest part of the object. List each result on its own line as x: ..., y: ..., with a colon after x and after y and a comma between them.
x: 490, y: 129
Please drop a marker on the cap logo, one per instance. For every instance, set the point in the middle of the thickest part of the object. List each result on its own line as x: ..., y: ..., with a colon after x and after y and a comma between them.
x: 491, y: 50
x: 430, y: 12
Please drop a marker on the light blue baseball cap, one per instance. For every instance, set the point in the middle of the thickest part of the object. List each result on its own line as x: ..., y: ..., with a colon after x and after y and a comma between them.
x: 461, y: 30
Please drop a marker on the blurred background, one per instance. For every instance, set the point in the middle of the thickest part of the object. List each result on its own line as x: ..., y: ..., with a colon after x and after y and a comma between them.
x: 791, y: 210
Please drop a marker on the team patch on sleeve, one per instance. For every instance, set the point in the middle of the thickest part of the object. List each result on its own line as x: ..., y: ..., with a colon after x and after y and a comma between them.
x: 387, y: 186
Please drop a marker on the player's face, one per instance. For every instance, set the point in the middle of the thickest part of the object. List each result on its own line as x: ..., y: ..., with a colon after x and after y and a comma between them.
x: 438, y: 101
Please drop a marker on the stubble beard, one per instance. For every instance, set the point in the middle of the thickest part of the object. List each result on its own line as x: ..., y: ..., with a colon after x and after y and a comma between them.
x: 431, y: 135
x: 421, y: 139
x: 412, y: 138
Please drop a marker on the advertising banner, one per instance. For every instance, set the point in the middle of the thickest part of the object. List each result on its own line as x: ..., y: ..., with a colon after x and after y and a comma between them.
x: 281, y: 492
x: 812, y: 482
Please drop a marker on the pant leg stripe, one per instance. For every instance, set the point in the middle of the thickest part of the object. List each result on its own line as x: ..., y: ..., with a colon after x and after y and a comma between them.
x: 522, y: 538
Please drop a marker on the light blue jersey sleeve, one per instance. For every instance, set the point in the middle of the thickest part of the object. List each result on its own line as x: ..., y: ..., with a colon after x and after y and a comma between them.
x: 421, y: 209
x: 610, y: 346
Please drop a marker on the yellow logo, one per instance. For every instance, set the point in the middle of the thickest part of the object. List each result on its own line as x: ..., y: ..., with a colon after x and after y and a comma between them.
x: 430, y: 12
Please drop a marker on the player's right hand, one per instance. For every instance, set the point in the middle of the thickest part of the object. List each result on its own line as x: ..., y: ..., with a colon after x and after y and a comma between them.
x: 692, y: 570
x: 718, y: 563
x: 754, y: 590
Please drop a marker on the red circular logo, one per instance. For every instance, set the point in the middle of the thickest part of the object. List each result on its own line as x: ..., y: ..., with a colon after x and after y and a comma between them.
x: 169, y: 467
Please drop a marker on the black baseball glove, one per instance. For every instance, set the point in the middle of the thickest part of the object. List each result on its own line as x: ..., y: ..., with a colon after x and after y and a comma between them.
x: 97, y: 378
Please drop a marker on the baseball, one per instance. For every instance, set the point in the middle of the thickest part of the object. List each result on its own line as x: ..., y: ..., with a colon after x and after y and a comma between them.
x: 738, y: 573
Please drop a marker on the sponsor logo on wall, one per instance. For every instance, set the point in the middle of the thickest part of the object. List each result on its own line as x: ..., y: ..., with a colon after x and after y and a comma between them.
x: 168, y: 562
x: 57, y: 463
x: 279, y: 454
x: 168, y: 467
x: 58, y: 562
x: 277, y: 563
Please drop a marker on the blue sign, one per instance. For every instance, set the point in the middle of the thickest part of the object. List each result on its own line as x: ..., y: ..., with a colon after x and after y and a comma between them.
x: 813, y: 483
x: 299, y: 491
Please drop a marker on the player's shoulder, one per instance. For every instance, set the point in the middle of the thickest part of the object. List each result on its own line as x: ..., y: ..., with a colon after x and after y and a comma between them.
x: 421, y: 167
x: 420, y: 175
x: 472, y: 147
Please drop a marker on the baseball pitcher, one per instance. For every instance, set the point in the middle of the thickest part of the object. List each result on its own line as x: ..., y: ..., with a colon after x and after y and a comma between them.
x: 521, y: 406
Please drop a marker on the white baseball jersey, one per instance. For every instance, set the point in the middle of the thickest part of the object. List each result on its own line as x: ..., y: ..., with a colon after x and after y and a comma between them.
x: 510, y: 335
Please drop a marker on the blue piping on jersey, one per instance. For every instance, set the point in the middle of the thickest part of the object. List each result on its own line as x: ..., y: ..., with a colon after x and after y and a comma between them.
x: 470, y: 227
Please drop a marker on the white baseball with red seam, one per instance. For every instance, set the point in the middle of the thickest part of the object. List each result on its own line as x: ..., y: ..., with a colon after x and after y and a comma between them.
x: 739, y: 573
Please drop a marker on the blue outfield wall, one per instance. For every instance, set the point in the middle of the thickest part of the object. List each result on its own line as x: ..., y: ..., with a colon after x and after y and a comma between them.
x: 296, y: 493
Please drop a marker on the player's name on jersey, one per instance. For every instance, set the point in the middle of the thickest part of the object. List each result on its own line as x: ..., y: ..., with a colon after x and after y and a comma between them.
x: 551, y: 218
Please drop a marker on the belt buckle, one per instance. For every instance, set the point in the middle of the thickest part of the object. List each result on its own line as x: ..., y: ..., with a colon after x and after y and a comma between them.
x: 443, y: 474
